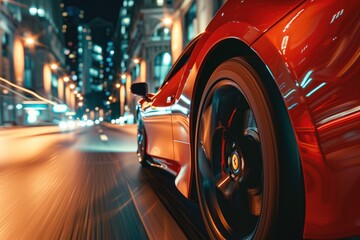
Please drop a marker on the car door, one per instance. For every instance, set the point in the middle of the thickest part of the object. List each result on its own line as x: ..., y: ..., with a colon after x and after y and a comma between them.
x: 158, y: 116
x: 157, y: 121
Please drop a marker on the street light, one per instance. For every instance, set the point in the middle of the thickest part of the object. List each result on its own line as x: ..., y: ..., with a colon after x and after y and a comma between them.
x: 167, y: 21
x: 29, y: 41
x: 136, y: 60
x: 53, y: 66
x: 118, y: 85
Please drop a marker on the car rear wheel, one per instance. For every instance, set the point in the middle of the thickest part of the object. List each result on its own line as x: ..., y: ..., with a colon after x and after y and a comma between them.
x: 237, y: 155
x: 141, y: 144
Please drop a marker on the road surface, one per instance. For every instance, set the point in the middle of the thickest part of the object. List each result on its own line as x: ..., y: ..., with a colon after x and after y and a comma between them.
x: 87, y: 184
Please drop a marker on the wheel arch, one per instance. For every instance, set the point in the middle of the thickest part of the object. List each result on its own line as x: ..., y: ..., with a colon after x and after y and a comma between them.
x: 290, y: 170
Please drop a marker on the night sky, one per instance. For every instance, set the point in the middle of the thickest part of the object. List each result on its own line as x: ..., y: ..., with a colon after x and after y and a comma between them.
x: 106, y: 9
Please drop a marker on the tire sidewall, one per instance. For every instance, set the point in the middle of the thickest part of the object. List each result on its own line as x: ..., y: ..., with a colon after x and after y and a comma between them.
x: 141, y: 153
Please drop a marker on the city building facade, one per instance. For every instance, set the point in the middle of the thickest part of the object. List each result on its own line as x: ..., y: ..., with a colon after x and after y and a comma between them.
x: 89, y: 57
x: 144, y: 32
x: 189, y: 19
x: 31, y: 59
x: 150, y: 36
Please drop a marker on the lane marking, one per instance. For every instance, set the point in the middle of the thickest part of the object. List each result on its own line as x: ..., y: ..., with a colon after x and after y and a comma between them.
x: 104, y: 138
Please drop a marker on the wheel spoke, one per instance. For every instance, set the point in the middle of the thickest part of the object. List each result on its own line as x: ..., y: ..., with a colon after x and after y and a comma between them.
x: 250, y: 128
x: 227, y: 186
x: 223, y: 103
x: 205, y: 130
x: 217, y: 150
x: 204, y: 163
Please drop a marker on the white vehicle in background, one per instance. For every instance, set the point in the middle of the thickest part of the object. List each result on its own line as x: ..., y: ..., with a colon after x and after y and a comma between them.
x: 67, y: 125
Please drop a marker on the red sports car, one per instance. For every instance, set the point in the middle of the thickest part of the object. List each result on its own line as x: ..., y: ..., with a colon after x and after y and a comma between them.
x: 259, y: 120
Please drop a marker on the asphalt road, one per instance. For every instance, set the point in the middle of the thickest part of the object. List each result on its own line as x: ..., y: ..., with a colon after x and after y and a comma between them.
x: 87, y: 184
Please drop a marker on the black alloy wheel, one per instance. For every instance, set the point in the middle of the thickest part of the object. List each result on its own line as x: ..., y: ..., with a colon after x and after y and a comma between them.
x: 237, y: 160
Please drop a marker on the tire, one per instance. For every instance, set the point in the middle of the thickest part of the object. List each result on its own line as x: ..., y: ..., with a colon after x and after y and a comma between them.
x: 141, y: 144
x: 237, y: 157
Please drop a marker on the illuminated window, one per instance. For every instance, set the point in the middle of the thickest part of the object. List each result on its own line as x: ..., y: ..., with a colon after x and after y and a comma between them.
x: 97, y: 49
x: 54, y: 85
x: 161, y: 33
x: 29, y: 65
x: 160, y: 2
x: 190, y: 23
x: 126, y: 21
x: 41, y: 12
x: 5, y: 45
x: 135, y: 72
x: 162, y: 66
x: 33, y: 11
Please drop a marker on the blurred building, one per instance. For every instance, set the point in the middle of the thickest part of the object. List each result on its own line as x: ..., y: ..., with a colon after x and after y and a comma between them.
x: 143, y: 31
x: 84, y: 58
x: 89, y: 56
x: 150, y: 36
x: 72, y: 18
x: 101, y: 32
x: 31, y: 57
x: 75, y: 34
x: 101, y: 73
x: 189, y: 19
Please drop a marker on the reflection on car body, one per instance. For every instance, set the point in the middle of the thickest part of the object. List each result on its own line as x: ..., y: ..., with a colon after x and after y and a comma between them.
x: 259, y: 120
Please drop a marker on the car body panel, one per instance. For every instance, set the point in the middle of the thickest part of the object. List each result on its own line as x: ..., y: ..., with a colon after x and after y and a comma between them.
x: 311, y: 48
x: 240, y: 22
x: 322, y: 96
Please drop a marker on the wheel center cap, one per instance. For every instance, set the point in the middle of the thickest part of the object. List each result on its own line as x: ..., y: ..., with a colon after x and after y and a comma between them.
x: 235, y: 161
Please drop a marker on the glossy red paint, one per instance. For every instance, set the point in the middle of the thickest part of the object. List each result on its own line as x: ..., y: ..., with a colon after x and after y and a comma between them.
x: 316, y: 61
x: 311, y: 49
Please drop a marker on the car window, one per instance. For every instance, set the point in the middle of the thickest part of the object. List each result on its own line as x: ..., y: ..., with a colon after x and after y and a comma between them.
x: 182, y: 60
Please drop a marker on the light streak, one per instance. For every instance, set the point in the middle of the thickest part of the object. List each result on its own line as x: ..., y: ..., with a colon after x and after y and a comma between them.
x: 343, y: 116
x: 28, y: 91
x: 315, y: 89
x: 288, y: 94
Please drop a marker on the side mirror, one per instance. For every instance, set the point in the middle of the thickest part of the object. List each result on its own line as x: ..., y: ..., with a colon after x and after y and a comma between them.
x: 139, y: 89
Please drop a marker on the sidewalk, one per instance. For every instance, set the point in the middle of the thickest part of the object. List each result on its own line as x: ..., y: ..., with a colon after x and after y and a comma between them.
x: 22, y: 130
